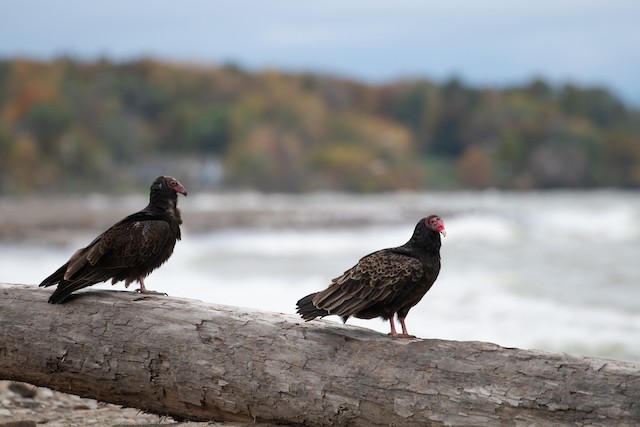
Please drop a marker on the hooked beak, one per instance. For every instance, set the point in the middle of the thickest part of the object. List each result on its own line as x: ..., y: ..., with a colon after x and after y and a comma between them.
x: 180, y: 189
x: 440, y: 228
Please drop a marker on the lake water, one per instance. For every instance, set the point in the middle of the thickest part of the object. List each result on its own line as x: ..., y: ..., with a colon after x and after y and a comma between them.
x: 553, y: 271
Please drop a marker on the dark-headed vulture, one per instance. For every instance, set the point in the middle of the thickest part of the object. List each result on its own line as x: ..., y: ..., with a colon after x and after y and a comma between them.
x: 129, y: 250
x: 384, y: 283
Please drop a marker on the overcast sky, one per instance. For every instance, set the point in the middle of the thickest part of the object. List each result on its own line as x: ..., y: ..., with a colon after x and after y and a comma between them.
x: 491, y: 42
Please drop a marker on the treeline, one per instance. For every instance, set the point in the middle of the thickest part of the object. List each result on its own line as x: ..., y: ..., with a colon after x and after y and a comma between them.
x: 71, y: 125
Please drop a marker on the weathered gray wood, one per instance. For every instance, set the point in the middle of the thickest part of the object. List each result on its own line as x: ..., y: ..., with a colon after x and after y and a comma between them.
x: 202, y: 361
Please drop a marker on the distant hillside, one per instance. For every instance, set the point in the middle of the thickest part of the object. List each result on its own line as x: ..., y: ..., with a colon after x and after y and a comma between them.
x: 73, y: 126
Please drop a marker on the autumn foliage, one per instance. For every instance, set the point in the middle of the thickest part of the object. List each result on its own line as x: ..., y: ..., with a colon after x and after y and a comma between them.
x: 69, y: 125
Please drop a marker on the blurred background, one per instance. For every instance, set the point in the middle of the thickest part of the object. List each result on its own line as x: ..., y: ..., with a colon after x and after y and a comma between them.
x: 309, y: 135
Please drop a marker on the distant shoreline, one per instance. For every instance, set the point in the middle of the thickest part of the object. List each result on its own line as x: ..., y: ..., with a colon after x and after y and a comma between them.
x: 61, y: 218
x: 57, y: 220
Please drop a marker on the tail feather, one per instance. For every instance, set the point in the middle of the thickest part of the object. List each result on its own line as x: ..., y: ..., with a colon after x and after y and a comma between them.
x: 64, y: 289
x: 56, y: 277
x: 307, y: 310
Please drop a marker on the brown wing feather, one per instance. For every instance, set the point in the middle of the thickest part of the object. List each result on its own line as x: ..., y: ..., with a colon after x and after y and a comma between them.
x: 379, y: 277
x: 129, y: 245
x: 126, y: 251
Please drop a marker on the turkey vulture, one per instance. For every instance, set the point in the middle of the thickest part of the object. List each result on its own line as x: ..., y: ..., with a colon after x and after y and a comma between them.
x: 129, y: 250
x: 385, y: 282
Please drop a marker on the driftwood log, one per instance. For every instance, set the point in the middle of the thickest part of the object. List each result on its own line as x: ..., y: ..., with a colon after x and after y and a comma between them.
x: 198, y: 361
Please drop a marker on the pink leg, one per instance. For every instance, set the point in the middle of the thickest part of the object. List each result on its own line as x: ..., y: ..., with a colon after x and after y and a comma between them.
x: 393, y: 332
x: 404, y: 327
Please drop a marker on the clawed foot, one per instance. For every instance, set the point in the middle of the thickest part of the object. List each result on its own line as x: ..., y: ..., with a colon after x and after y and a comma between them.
x: 150, y: 292
x: 392, y: 335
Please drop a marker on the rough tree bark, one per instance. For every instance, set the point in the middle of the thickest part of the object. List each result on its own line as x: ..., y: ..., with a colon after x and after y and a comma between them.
x: 200, y: 361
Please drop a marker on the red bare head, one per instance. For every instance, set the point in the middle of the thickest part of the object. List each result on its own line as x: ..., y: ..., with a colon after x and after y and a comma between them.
x: 434, y: 222
x: 168, y: 182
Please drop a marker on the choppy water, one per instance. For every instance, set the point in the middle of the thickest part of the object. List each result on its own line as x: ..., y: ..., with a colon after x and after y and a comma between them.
x: 554, y: 271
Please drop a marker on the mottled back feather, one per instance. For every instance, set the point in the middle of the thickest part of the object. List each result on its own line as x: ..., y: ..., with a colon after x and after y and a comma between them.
x: 383, y: 276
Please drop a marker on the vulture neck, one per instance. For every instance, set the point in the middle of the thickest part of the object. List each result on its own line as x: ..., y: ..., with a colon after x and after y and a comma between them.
x: 425, y: 240
x: 165, y: 200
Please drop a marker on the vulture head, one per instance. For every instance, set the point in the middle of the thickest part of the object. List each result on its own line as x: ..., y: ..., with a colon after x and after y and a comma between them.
x: 434, y: 222
x: 167, y: 184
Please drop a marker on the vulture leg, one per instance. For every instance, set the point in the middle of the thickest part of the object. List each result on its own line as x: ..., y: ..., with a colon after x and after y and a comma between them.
x: 393, y: 332
x: 144, y: 290
x: 405, y: 333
